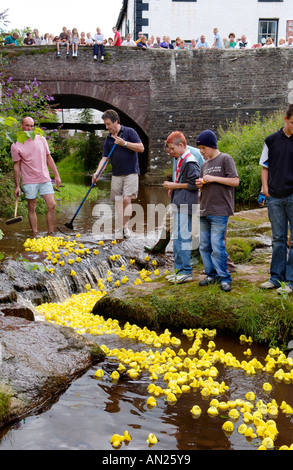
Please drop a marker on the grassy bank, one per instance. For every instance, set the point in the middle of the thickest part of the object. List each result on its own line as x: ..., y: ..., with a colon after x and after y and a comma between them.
x: 265, y: 316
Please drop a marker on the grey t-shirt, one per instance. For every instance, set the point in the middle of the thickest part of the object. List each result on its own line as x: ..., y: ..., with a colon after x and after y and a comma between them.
x: 216, y: 198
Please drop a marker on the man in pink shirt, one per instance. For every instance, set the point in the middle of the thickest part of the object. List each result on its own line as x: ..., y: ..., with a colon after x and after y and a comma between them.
x: 32, y: 161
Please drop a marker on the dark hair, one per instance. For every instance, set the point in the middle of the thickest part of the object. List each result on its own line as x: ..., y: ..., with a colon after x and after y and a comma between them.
x: 289, y: 111
x: 112, y: 115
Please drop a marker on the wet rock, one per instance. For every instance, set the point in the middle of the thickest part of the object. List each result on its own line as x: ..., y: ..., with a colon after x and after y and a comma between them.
x: 17, y: 310
x: 38, y: 362
x: 7, y: 291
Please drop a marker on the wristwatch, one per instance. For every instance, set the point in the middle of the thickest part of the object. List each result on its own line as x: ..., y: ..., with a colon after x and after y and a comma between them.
x: 125, y: 144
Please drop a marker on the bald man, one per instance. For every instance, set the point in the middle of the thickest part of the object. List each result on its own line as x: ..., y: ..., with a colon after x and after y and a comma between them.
x: 32, y: 161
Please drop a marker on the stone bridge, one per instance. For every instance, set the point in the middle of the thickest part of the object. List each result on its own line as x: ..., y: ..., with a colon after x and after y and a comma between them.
x: 158, y: 91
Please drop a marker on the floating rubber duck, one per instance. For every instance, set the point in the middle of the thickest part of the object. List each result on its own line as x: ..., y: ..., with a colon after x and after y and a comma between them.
x: 267, y: 387
x: 196, y: 411
x: 242, y: 428
x: 249, y: 433
x: 151, y: 402
x: 250, y: 396
x: 228, y: 427
x: 234, y: 414
x: 212, y: 411
x: 115, y: 375
x: 152, y: 439
x: 99, y: 373
x: 116, y: 440
x: 268, y: 443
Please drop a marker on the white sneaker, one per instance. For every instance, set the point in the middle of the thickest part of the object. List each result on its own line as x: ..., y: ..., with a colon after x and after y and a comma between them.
x: 268, y: 285
x: 169, y: 276
x: 102, y: 58
x: 285, y: 290
x: 126, y: 232
x: 180, y: 278
x: 95, y: 57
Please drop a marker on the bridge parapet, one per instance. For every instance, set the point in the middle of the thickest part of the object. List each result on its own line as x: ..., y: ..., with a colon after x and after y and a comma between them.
x: 158, y: 91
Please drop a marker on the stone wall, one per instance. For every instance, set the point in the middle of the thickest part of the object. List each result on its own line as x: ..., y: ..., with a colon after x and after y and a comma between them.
x: 158, y: 91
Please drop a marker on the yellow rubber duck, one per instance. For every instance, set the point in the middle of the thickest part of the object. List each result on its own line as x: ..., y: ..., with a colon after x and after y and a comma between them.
x: 234, y: 414
x: 268, y: 443
x: 99, y: 373
x: 115, y: 375
x: 152, y: 439
x: 116, y: 440
x: 196, y: 411
x: 151, y: 402
x: 267, y: 387
x: 242, y: 428
x: 212, y: 411
x: 228, y: 427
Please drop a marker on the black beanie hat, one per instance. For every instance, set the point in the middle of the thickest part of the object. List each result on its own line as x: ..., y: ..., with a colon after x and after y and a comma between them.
x: 207, y: 139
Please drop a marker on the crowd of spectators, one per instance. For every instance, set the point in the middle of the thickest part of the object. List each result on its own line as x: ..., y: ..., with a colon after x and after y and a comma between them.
x: 71, y: 38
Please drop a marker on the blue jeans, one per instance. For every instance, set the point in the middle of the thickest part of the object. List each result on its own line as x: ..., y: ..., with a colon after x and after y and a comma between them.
x: 213, y: 247
x: 97, y: 47
x: 182, y: 243
x: 280, y: 211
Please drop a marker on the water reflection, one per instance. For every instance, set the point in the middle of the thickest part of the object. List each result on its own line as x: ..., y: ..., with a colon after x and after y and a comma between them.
x: 92, y: 410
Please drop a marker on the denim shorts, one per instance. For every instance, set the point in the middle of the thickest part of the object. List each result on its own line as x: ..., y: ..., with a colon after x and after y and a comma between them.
x: 31, y: 189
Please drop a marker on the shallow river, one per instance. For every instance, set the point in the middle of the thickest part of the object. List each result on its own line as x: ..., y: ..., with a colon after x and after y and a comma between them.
x: 92, y: 410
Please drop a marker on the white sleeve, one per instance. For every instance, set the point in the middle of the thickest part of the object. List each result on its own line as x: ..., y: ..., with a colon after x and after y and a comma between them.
x: 263, y: 161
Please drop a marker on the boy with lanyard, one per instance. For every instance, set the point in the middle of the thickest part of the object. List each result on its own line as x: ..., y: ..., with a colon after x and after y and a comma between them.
x: 184, y: 200
x: 218, y: 179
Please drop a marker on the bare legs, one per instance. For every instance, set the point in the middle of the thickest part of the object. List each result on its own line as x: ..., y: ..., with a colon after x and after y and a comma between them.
x: 50, y: 202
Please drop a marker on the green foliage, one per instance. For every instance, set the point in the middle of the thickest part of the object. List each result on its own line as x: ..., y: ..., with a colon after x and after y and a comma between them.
x: 5, y: 399
x: 29, y: 100
x: 244, y: 144
x: 88, y: 150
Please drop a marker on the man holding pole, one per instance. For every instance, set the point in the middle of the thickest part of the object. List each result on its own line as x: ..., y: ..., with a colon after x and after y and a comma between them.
x: 125, y: 167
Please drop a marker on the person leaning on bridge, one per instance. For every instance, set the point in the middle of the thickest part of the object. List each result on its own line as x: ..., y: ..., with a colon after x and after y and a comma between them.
x: 125, y: 167
x: 277, y: 184
x: 12, y: 40
x: 31, y: 162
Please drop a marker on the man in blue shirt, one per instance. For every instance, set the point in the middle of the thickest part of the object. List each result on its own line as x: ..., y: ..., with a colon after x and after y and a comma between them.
x: 126, y: 145
x: 12, y: 40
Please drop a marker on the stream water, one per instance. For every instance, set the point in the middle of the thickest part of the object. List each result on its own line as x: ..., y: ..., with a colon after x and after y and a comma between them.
x: 92, y: 410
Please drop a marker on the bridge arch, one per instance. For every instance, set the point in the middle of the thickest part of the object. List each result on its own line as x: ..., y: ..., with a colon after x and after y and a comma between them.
x: 90, y: 95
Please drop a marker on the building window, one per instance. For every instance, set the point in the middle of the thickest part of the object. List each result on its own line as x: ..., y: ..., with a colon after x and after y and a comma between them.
x: 267, y: 29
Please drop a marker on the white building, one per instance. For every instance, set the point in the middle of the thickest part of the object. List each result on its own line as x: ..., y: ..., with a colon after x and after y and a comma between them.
x: 189, y: 19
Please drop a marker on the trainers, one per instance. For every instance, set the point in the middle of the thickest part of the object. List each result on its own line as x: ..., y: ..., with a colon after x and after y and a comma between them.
x: 95, y: 57
x: 58, y: 55
x: 226, y: 286
x: 102, y: 58
x: 207, y: 281
x: 169, y: 276
x: 180, y: 278
x: 285, y: 290
x: 268, y: 285
x: 126, y: 232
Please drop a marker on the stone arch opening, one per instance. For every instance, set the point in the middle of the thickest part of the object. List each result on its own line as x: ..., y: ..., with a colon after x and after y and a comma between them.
x: 75, y: 101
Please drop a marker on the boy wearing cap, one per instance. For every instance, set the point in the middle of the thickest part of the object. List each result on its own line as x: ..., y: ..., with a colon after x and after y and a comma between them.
x: 218, y: 178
